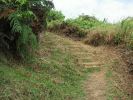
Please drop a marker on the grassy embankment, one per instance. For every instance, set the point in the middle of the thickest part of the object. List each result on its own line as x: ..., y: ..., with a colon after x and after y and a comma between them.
x: 52, y: 75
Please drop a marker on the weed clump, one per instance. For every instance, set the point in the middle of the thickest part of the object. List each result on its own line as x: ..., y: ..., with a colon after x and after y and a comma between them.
x: 67, y: 29
x: 95, y: 39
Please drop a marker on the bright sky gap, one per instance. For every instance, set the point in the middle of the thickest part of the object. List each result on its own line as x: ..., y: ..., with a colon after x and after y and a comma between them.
x: 112, y: 10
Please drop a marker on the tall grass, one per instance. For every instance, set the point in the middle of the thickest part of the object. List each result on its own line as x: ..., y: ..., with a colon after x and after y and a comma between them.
x: 126, y: 32
x: 112, y: 34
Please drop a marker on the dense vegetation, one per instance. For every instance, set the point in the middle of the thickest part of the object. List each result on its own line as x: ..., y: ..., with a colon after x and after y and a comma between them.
x: 67, y: 27
x: 94, y: 31
x: 21, y: 21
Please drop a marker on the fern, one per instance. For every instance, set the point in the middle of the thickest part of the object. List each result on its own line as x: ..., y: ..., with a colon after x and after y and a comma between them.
x: 19, y: 17
x: 15, y: 23
x: 27, y: 42
x: 24, y: 39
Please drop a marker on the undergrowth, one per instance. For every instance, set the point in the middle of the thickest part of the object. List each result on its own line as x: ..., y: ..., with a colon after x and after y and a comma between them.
x: 50, y: 76
x: 19, y: 24
x: 95, y: 32
x: 115, y: 86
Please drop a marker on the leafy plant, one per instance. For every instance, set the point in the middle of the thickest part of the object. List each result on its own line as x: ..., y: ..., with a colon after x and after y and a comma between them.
x: 55, y: 15
x: 85, y: 22
x: 21, y: 18
x: 125, y: 33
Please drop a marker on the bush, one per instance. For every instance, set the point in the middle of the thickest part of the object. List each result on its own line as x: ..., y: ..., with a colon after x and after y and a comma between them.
x: 55, y: 15
x: 129, y: 41
x: 19, y: 20
x: 95, y: 39
x: 66, y: 29
x: 112, y: 34
x: 101, y: 35
x: 54, y: 26
x: 125, y: 33
x: 72, y: 30
x: 85, y: 22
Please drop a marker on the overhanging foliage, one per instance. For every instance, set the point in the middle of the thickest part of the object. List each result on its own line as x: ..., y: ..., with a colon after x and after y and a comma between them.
x: 21, y: 21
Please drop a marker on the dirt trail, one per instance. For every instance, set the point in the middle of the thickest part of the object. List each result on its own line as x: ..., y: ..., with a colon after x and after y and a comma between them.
x: 95, y: 86
x: 90, y: 57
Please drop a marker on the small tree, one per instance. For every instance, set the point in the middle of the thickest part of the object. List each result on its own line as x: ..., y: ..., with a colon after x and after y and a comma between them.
x: 18, y: 23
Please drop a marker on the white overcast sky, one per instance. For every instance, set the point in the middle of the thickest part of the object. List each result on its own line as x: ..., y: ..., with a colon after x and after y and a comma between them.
x: 112, y: 10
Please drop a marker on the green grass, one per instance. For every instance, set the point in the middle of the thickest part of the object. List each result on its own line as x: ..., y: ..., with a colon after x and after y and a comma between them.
x: 53, y: 75
x: 113, y: 90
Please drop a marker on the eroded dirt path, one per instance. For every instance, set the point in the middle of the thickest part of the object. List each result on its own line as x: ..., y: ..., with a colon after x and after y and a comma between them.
x: 95, y: 86
x: 91, y: 58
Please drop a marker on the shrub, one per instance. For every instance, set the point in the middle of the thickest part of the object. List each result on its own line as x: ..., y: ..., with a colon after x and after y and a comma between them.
x: 72, y: 30
x: 18, y: 22
x: 55, y: 15
x: 85, y: 22
x: 101, y: 35
x: 54, y: 26
x: 66, y: 29
x: 129, y: 41
x: 95, y: 39
x: 125, y: 33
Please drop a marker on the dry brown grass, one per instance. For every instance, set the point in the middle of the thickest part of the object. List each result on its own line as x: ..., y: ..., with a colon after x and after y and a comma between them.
x: 100, y: 36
